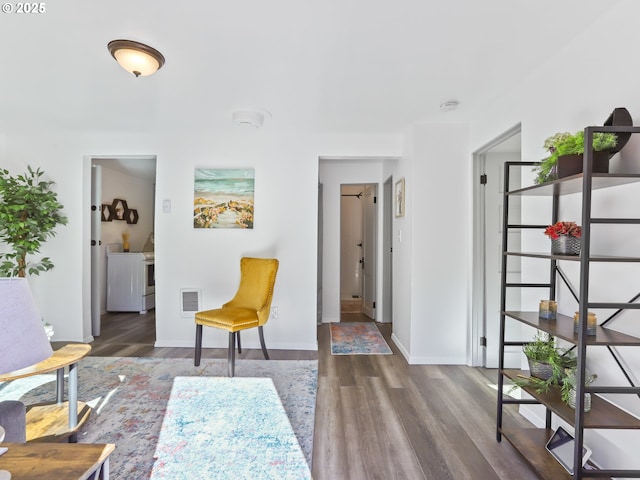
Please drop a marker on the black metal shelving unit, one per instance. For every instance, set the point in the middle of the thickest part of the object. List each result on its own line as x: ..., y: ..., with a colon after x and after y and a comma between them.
x: 603, y: 414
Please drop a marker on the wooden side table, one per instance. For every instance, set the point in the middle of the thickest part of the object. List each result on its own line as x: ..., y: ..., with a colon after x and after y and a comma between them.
x: 48, y: 422
x: 46, y: 461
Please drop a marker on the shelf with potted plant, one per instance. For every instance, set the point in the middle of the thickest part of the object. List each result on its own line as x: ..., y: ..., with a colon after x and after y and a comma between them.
x: 603, y: 414
x: 551, y: 381
x: 566, y: 244
x: 566, y: 150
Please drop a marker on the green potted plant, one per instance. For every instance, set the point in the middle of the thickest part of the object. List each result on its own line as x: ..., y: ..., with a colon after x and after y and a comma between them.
x: 29, y: 214
x: 565, y: 155
x: 547, y: 363
x: 568, y: 388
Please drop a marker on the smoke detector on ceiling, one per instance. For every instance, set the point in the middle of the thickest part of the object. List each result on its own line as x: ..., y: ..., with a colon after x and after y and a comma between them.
x: 449, y: 106
x: 254, y: 118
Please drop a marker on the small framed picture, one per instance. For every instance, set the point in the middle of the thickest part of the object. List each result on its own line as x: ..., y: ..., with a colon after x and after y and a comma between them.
x: 399, y: 194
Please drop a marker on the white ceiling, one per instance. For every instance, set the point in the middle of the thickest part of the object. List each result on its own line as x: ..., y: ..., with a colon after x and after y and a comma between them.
x: 324, y: 65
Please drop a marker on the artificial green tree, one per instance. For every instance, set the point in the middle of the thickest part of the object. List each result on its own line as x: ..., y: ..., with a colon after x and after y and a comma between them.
x: 29, y: 214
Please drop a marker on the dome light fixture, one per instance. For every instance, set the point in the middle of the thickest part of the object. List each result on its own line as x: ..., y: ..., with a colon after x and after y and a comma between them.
x: 254, y: 118
x: 136, y: 57
x: 449, y: 105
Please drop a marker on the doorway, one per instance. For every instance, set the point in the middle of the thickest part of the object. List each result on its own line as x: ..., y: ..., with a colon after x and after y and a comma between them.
x: 358, y: 247
x: 122, y: 180
x: 488, y: 198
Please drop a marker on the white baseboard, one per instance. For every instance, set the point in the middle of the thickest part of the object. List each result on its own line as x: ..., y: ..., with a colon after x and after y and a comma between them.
x: 418, y: 360
x: 401, y: 347
x: 330, y: 320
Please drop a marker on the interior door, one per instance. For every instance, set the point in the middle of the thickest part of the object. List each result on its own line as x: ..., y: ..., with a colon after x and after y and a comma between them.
x: 369, y: 246
x: 96, y: 235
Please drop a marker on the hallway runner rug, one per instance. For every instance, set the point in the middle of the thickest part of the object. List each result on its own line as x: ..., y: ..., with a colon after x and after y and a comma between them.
x: 357, y: 338
x: 129, y: 398
x: 227, y: 429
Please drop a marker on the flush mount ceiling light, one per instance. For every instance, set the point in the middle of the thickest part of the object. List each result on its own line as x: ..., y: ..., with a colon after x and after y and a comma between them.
x: 254, y: 118
x: 449, y: 106
x: 135, y: 57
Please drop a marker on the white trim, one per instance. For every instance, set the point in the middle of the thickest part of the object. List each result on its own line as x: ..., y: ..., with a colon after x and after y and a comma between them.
x: 401, y: 347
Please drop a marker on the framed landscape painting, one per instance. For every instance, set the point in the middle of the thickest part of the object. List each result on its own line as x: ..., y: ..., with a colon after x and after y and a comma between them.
x: 399, y: 194
x: 223, y: 198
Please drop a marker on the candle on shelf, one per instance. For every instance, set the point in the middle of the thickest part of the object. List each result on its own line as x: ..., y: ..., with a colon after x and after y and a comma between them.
x: 592, y: 323
x: 548, y: 309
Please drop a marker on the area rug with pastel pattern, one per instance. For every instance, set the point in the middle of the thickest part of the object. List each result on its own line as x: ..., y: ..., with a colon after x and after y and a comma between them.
x: 227, y: 429
x: 130, y: 398
x: 357, y: 338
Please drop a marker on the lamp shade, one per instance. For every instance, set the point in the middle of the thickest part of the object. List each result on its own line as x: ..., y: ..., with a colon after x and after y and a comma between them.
x: 23, y: 341
x: 136, y: 57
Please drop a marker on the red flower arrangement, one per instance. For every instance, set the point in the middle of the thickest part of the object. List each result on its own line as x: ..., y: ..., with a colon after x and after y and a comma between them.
x: 563, y: 228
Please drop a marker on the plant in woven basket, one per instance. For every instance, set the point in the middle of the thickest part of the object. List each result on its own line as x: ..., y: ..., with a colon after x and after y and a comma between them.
x: 543, y: 350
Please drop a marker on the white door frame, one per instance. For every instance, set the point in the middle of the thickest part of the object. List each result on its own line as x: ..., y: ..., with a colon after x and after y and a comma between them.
x: 319, y: 257
x: 370, y: 234
x: 387, y: 252
x: 333, y: 172
x: 478, y: 313
x: 91, y: 326
x: 96, y: 242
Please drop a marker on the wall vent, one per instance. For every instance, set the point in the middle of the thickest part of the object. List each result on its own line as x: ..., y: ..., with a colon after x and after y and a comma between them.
x: 190, y: 301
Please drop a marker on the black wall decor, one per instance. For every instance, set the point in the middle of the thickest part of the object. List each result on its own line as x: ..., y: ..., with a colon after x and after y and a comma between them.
x: 106, y: 213
x: 131, y: 216
x: 119, y: 207
x: 119, y: 210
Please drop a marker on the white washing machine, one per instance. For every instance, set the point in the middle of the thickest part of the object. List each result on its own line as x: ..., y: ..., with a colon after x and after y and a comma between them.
x: 130, y: 280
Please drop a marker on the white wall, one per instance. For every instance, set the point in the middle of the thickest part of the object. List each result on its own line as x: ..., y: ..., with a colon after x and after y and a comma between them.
x: 286, y: 168
x: 573, y: 89
x: 437, y: 192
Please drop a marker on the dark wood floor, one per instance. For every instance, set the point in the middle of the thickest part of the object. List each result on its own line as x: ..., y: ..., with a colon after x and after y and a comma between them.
x: 376, y: 416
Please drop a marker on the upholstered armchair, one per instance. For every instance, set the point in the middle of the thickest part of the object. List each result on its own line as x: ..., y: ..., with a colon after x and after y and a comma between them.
x: 249, y: 308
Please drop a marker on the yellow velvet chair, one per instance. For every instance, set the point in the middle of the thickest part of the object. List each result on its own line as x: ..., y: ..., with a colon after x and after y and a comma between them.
x: 249, y: 308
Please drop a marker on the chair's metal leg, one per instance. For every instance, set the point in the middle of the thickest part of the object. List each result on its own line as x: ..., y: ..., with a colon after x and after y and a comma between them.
x: 264, y: 348
x: 231, y: 354
x: 198, y: 354
x: 239, y: 346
